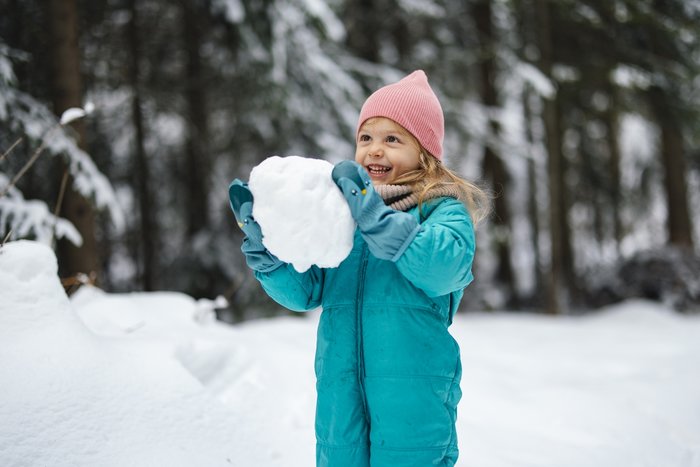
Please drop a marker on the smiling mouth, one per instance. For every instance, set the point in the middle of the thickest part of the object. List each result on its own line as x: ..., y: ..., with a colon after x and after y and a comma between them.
x: 377, y: 169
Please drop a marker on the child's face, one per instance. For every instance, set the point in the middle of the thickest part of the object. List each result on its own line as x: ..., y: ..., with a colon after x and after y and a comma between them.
x: 386, y: 150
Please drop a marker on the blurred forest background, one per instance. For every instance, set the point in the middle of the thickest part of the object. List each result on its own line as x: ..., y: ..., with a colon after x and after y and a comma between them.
x: 582, y: 116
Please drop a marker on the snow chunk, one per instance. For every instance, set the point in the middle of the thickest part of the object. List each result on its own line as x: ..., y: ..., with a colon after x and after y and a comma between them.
x: 304, y: 218
x: 75, y: 113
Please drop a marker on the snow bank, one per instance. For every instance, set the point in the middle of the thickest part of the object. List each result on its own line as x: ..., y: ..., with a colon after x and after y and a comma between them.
x: 69, y: 398
x: 303, y: 216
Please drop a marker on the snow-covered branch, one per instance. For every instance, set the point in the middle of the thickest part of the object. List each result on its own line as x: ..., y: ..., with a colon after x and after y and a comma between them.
x: 25, y: 115
x: 32, y: 218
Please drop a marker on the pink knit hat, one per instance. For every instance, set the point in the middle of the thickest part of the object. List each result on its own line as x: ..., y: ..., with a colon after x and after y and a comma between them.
x: 412, y: 104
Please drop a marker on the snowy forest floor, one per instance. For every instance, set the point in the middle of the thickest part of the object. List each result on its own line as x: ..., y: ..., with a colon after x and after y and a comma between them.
x: 617, y: 388
x: 151, y: 379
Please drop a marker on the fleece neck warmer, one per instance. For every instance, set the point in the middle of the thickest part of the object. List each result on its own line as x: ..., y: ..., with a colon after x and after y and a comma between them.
x: 403, y: 197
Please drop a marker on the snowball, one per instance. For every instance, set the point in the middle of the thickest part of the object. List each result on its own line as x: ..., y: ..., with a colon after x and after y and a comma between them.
x: 304, y: 218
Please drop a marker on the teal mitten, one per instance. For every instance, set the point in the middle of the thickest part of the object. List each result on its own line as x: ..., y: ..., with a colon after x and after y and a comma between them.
x: 257, y: 256
x: 386, y: 231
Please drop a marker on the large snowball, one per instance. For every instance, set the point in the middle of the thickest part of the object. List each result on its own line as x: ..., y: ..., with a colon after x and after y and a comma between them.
x: 303, y: 216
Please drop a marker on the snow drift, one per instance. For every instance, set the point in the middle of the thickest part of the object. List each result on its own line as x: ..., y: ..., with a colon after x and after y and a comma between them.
x: 69, y: 398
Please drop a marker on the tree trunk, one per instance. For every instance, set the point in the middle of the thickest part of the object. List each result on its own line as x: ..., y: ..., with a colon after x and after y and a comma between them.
x: 673, y: 159
x: 493, y: 165
x: 67, y: 92
x: 613, y: 129
x: 363, y: 26
x: 148, y: 231
x: 533, y: 210
x: 197, y: 132
x: 663, y: 104
x: 568, y: 260
x: 557, y: 284
x: 524, y: 13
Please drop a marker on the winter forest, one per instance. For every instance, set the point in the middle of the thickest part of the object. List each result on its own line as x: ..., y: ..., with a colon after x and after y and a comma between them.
x: 580, y: 116
x: 130, y: 325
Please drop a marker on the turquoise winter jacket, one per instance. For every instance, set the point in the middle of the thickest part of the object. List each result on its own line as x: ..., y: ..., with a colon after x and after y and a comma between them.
x: 387, y: 368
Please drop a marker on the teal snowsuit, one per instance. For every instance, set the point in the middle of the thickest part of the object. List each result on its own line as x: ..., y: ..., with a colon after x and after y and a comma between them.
x: 387, y: 369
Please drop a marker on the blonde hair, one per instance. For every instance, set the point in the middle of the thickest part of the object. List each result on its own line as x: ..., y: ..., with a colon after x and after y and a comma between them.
x: 433, y: 174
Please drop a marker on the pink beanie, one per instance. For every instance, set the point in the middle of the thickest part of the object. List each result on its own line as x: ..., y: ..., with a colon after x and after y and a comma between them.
x: 412, y: 104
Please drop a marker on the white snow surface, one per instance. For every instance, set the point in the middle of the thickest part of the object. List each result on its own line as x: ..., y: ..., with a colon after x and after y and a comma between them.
x: 74, y: 113
x: 69, y: 397
x: 145, y: 379
x: 304, y: 218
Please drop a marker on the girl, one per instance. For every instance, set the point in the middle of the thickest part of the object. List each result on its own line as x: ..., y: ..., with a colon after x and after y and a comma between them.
x: 388, y: 371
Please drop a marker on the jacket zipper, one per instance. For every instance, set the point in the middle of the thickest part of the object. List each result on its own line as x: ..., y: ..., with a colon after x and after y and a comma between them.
x: 359, y: 300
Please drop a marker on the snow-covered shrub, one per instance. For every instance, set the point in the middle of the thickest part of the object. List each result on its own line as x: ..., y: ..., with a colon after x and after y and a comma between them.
x: 670, y: 275
x: 31, y: 218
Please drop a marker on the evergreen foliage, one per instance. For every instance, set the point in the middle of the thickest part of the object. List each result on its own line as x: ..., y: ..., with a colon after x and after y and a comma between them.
x: 216, y: 86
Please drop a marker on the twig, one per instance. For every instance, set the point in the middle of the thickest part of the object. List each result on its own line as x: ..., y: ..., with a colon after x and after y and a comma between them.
x: 7, y: 237
x: 71, y: 284
x: 26, y: 167
x: 59, y: 203
x: 7, y: 153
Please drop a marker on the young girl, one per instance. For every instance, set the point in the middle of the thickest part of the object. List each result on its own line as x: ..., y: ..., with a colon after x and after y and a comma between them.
x: 388, y: 371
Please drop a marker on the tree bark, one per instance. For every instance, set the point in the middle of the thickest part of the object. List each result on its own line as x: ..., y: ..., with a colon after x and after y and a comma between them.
x: 197, y: 163
x: 663, y: 103
x: 556, y: 283
x: 612, y: 126
x: 148, y: 231
x: 571, y: 287
x: 493, y: 165
x: 533, y: 209
x: 673, y: 159
x: 363, y: 26
x: 67, y: 92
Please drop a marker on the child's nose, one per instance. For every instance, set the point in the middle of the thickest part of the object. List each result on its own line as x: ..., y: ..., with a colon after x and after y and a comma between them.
x: 376, y: 149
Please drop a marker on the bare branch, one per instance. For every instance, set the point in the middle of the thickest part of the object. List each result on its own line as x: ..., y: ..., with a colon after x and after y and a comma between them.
x: 7, y: 153
x: 31, y: 161
x: 59, y: 203
x: 7, y: 237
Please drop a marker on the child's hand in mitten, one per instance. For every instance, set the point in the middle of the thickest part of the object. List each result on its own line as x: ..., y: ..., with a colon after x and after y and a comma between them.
x: 257, y: 256
x: 387, y: 232
x: 365, y: 203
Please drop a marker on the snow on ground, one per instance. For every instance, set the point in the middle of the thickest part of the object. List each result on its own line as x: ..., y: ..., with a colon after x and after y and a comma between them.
x: 303, y: 216
x: 69, y: 397
x: 147, y: 379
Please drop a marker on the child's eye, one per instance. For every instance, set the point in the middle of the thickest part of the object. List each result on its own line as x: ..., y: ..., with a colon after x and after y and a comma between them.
x: 364, y: 138
x: 392, y: 139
